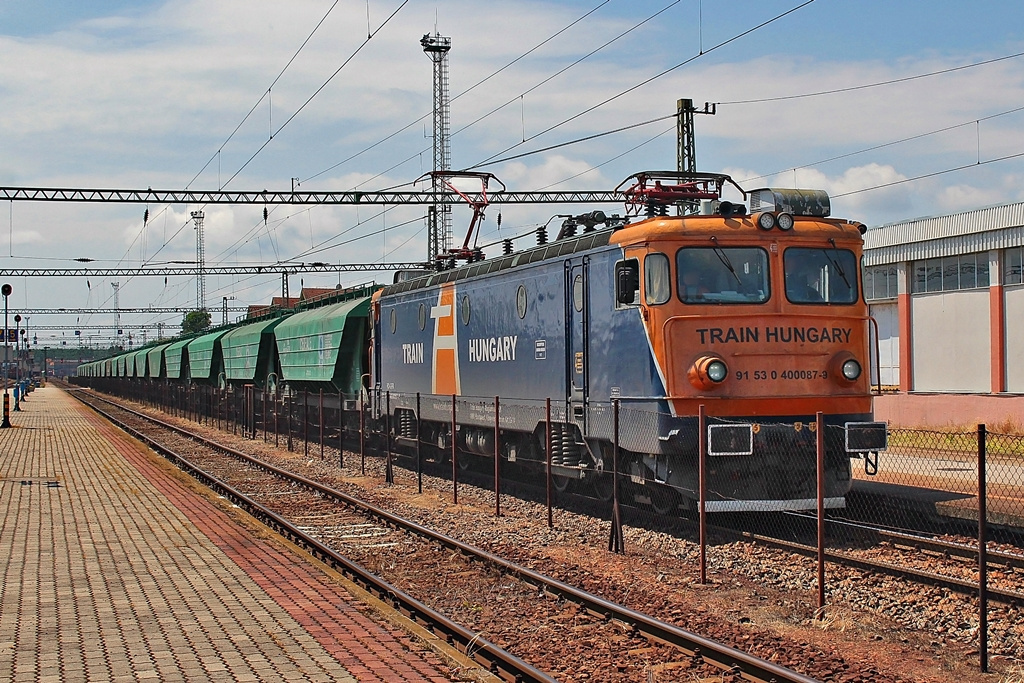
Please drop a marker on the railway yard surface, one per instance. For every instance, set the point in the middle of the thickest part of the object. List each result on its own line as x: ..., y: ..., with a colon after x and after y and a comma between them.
x: 117, y: 567
x: 114, y: 568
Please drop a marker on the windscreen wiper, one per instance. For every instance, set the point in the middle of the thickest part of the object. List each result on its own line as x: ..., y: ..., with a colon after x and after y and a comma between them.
x: 835, y: 262
x: 724, y: 258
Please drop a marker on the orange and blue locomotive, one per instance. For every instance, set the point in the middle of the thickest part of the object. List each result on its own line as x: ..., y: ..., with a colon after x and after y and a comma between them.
x: 754, y: 312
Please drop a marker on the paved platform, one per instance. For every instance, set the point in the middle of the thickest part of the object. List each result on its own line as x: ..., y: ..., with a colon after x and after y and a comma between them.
x: 113, y: 568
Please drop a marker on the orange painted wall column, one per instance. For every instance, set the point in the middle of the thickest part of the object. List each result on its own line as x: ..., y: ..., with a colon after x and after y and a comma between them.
x: 997, y: 320
x: 903, y: 303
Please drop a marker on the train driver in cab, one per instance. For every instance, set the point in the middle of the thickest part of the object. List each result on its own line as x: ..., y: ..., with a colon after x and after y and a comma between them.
x: 693, y: 287
x: 803, y: 281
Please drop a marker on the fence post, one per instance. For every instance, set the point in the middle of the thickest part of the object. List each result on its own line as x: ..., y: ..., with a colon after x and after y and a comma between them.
x: 497, y: 461
x: 341, y: 429
x: 820, y: 429
x: 321, y: 423
x: 455, y: 459
x: 288, y: 415
x: 616, y: 544
x: 982, y: 551
x: 419, y: 454
x: 702, y: 489
x: 263, y: 400
x: 547, y: 459
x: 389, y: 473
x: 362, y: 437
x: 305, y: 422
x: 277, y: 415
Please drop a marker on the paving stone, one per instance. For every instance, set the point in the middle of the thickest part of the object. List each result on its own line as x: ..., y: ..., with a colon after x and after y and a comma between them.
x: 123, y: 572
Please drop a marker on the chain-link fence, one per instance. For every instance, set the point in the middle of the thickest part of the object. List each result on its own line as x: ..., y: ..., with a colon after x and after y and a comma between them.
x: 708, y: 480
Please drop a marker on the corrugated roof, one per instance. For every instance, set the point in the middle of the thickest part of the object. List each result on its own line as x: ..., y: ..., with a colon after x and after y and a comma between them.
x: 994, y: 227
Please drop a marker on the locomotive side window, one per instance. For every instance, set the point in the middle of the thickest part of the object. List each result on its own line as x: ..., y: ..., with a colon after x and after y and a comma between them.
x: 577, y: 293
x: 657, y: 280
x: 394, y: 321
x: 723, y: 275
x: 820, y: 276
x: 521, y: 301
x: 465, y: 310
x: 627, y: 282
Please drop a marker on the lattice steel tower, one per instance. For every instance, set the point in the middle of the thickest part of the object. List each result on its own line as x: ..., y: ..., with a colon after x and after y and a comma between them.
x: 197, y: 217
x: 439, y: 216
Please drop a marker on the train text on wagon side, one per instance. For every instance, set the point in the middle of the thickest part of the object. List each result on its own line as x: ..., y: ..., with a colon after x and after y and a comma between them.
x: 493, y: 349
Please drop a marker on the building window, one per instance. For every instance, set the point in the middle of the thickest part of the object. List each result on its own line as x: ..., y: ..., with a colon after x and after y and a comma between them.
x: 949, y: 273
x: 1012, y: 270
x: 880, y: 282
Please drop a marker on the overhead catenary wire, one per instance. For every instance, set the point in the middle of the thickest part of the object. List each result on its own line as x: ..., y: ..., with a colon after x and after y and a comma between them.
x: 489, y: 161
x: 265, y: 94
x: 888, y: 144
x: 320, y: 89
x: 873, y: 85
x: 457, y: 96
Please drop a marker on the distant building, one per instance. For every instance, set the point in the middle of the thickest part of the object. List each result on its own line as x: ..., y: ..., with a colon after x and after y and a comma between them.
x: 947, y: 293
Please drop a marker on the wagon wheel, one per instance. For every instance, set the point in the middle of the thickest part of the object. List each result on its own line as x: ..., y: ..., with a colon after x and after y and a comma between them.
x: 664, y: 499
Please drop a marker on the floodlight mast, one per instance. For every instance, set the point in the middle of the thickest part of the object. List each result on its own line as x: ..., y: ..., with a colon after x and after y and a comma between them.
x: 439, y: 215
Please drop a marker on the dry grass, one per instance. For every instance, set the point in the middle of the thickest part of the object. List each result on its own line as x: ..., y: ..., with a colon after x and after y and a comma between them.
x: 1015, y: 674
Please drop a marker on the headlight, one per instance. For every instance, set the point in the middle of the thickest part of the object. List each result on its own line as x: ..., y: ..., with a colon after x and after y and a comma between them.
x: 707, y: 372
x: 766, y: 221
x: 717, y: 371
x: 785, y: 221
x: 851, y: 370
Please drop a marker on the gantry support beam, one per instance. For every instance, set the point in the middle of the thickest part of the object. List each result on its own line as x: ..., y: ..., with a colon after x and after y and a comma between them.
x: 191, y: 271
x: 107, y: 311
x: 149, y: 326
x: 64, y: 194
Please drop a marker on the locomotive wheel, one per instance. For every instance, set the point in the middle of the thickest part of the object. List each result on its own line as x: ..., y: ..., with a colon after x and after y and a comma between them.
x: 560, y: 483
x: 664, y: 499
x: 604, y: 485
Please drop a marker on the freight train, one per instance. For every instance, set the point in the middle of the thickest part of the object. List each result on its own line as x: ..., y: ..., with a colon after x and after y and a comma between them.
x: 754, y: 312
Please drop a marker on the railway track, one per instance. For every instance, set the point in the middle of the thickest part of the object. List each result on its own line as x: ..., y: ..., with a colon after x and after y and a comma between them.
x: 919, y: 559
x: 947, y: 561
x: 518, y: 608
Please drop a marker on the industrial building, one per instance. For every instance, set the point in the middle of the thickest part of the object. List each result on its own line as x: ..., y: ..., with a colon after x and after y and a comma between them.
x: 947, y: 293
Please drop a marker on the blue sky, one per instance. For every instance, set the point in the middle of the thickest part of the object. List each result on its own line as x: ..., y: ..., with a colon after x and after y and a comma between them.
x: 145, y: 94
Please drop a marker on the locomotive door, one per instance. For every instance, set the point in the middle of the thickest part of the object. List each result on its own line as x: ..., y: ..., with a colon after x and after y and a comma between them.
x: 576, y: 336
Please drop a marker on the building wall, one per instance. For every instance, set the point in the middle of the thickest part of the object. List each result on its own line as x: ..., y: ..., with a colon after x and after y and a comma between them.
x: 951, y: 341
x: 959, y: 412
x: 1014, y: 341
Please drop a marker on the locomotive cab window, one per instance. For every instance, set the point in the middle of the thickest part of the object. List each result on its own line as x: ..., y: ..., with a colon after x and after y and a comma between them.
x: 722, y: 275
x: 657, y: 281
x: 820, y: 276
x: 627, y: 282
